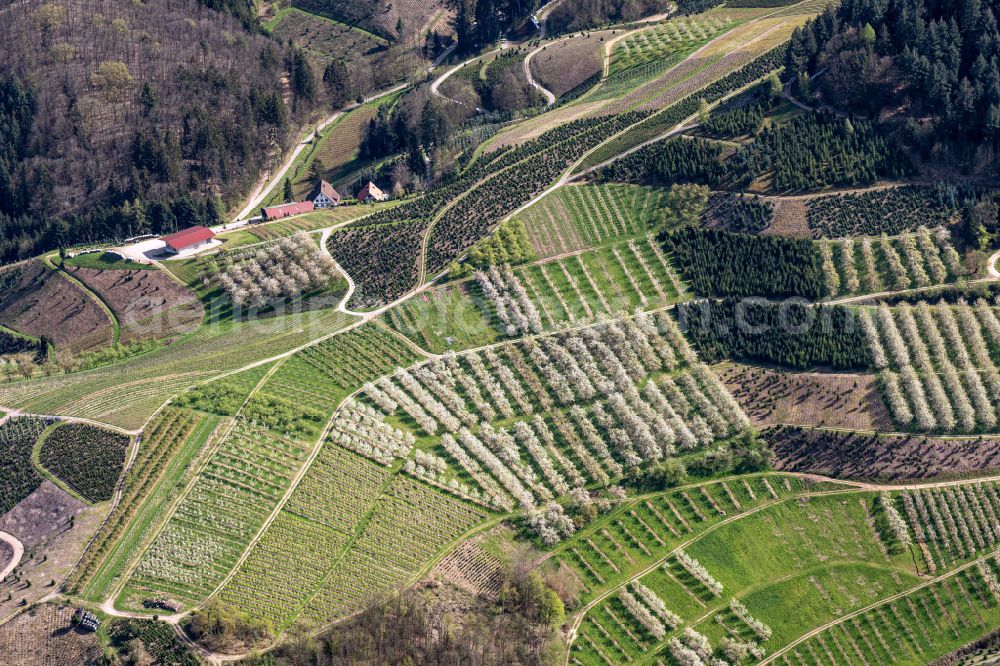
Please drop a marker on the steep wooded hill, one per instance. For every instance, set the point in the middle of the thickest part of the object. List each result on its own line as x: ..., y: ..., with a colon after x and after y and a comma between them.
x: 932, y: 66
x: 392, y: 19
x: 118, y: 118
x: 571, y: 16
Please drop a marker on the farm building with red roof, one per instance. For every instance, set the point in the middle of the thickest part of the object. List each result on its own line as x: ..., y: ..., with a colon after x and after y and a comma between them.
x: 192, y: 237
x: 286, y: 210
x: 370, y: 192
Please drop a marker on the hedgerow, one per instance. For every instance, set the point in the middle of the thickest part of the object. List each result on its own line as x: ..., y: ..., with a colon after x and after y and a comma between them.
x: 792, y: 334
x: 87, y: 458
x: 17, y: 344
x: 744, y: 213
x: 720, y: 263
x: 696, y: 6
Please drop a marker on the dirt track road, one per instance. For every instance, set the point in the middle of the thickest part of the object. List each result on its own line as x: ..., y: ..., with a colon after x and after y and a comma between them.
x: 18, y: 547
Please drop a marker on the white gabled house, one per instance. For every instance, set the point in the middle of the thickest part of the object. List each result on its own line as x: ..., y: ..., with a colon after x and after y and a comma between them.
x: 324, y: 196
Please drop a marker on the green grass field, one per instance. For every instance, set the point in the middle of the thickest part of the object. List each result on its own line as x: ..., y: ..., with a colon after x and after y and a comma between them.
x: 610, y: 280
x: 585, y: 216
x: 794, y: 560
x: 152, y: 378
x: 912, y: 630
x: 107, y: 261
x: 444, y: 319
x: 150, y: 512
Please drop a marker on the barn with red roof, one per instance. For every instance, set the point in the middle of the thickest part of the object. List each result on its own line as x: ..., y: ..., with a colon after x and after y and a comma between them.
x: 370, y: 192
x: 187, y: 239
x: 286, y: 210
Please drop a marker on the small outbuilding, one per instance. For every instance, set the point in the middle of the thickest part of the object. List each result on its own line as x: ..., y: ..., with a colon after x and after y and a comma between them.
x: 188, y: 239
x: 371, y: 193
x: 86, y: 620
x: 324, y: 196
x: 286, y: 210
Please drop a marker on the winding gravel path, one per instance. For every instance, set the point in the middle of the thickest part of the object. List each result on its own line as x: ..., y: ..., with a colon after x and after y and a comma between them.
x: 550, y: 98
x: 18, y: 547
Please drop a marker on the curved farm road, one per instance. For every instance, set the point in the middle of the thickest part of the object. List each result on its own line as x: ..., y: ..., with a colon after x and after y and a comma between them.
x: 342, y: 306
x: 550, y: 98
x: 18, y: 547
x: 991, y: 266
x: 899, y: 595
x: 540, y: 16
x: 436, y: 84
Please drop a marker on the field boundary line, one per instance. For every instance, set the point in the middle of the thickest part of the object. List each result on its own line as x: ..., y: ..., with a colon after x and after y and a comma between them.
x: 36, y: 461
x: 684, y: 125
x: 854, y: 487
x: 116, y: 325
x: 296, y: 480
x: 881, y: 602
x: 104, y: 563
x: 582, y: 612
x: 428, y: 356
x: 108, y: 605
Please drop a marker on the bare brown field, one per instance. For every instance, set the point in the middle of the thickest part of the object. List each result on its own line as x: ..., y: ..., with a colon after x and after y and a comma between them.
x: 54, y: 528
x: 894, y: 458
x: 566, y: 64
x: 535, y: 127
x: 42, y: 515
x: 771, y: 397
x: 719, y: 57
x: 6, y: 553
x: 44, y: 303
x: 790, y: 218
x: 45, y: 636
x: 148, y: 304
x: 471, y: 569
x: 56, y: 544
